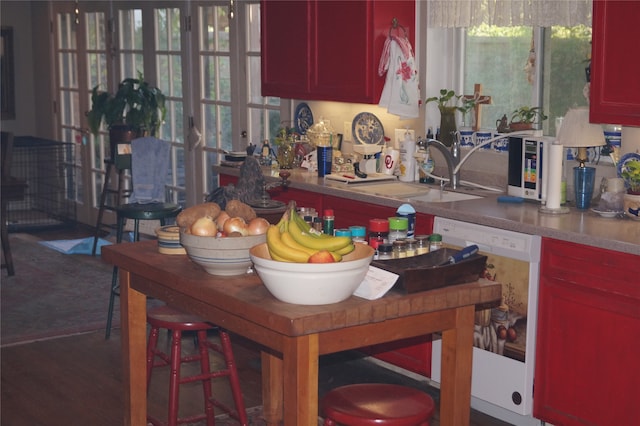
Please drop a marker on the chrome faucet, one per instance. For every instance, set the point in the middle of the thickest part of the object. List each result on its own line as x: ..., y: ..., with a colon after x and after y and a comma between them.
x: 451, y: 156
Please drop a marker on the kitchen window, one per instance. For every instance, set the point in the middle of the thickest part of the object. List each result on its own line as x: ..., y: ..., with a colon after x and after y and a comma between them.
x: 204, y: 56
x: 527, y: 66
x: 522, y: 52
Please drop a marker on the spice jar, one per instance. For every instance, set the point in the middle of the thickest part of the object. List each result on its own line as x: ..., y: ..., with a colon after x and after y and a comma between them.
x: 358, y: 234
x: 342, y: 232
x: 411, y: 247
x: 378, y: 232
x: 435, y: 242
x: 422, y: 244
x: 385, y: 251
x: 399, y: 249
x: 398, y: 228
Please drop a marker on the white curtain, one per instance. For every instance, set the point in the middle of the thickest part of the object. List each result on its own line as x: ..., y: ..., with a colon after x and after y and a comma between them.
x: 504, y: 13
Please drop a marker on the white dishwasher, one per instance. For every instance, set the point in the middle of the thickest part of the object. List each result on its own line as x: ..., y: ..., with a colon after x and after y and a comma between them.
x: 504, y: 337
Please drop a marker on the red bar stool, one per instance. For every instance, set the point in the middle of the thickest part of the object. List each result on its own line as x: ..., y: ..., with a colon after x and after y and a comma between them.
x: 378, y: 404
x: 164, y: 317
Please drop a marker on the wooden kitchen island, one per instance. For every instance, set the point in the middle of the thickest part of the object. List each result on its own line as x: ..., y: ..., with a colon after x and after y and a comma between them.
x: 292, y: 336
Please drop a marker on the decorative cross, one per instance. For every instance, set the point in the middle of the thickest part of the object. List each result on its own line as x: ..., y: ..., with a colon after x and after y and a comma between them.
x: 480, y: 100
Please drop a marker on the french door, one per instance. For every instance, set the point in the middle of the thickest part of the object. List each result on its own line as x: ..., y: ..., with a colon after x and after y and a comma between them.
x: 204, y: 56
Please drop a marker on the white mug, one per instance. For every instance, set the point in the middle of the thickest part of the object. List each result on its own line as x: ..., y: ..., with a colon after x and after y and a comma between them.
x: 389, y: 161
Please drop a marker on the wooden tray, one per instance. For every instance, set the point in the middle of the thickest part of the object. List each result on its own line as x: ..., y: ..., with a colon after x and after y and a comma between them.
x: 421, y: 273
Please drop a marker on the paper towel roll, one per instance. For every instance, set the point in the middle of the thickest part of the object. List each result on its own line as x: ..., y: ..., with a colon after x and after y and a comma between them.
x: 554, y: 180
x: 407, y: 160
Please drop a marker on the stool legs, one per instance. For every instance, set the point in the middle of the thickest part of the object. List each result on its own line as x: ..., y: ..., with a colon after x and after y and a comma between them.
x: 115, y: 287
x: 175, y: 359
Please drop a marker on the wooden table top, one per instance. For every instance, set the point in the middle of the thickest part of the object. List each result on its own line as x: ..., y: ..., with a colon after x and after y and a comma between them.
x: 176, y: 277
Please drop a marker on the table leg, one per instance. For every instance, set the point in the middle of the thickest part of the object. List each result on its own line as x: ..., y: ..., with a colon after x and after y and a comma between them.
x: 271, y: 388
x: 300, y: 363
x: 133, y: 314
x: 457, y: 359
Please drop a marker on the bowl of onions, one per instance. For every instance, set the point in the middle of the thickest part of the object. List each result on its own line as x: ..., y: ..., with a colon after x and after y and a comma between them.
x: 219, y: 241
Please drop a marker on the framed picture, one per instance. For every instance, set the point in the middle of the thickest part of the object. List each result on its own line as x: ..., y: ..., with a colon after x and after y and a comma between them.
x: 7, y: 84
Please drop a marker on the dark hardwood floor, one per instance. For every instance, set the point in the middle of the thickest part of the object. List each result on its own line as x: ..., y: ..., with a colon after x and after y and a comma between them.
x: 77, y: 380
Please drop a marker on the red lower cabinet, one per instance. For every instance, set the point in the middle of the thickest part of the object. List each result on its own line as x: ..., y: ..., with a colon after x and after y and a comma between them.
x: 588, y: 343
x: 411, y: 354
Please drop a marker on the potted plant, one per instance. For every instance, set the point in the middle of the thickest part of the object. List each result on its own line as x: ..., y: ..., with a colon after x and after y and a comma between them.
x: 630, y: 172
x: 525, y: 117
x: 136, y: 109
x: 448, y: 104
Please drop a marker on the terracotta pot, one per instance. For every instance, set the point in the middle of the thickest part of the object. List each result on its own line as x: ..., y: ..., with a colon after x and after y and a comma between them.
x: 631, y: 203
x: 518, y: 127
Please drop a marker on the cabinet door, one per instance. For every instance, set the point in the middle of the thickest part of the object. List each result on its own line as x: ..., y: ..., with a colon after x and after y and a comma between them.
x: 284, y: 37
x: 328, y: 49
x: 588, y: 340
x: 615, y: 85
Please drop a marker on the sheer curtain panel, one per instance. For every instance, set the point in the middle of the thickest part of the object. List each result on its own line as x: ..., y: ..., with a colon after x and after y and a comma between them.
x: 504, y: 13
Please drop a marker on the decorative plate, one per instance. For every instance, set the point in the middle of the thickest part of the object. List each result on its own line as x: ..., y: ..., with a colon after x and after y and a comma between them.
x: 367, y: 129
x: 624, y: 160
x: 303, y: 118
x: 607, y: 213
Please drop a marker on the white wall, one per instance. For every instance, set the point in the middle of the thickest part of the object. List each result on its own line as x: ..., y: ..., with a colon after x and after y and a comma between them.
x: 17, y: 15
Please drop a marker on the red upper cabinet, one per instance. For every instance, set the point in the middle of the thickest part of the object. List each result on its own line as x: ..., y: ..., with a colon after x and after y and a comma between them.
x: 328, y: 50
x: 615, y: 81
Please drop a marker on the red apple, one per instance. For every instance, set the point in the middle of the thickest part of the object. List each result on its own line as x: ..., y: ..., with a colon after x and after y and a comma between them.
x: 322, y: 256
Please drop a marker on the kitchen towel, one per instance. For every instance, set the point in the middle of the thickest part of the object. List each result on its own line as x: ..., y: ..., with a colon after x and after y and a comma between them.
x: 401, y: 93
x: 149, y: 169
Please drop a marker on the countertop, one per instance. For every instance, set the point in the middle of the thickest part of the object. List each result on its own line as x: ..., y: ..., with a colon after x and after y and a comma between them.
x: 581, y: 227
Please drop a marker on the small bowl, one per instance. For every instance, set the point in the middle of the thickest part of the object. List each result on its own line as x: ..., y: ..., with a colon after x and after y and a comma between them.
x: 169, y: 240
x: 312, y: 283
x: 221, y: 256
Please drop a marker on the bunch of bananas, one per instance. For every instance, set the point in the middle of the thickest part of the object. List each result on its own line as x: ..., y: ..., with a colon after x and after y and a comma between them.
x: 294, y: 240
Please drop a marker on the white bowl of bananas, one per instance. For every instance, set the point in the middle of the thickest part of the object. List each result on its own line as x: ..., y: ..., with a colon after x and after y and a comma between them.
x: 302, y: 267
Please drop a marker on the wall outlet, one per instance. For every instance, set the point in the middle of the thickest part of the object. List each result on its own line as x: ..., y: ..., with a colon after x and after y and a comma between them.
x: 400, y: 136
x: 346, y: 132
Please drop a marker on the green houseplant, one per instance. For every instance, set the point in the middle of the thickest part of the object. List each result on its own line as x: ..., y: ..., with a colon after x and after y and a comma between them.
x: 448, y: 104
x: 630, y: 172
x: 134, y: 110
x: 136, y: 104
x: 525, y: 117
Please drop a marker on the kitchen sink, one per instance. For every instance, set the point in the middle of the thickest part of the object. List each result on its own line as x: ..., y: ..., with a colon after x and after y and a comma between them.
x: 413, y: 192
x: 437, y: 196
x: 392, y: 189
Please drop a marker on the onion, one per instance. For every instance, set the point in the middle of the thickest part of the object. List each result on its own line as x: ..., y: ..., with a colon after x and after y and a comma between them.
x: 221, y: 219
x: 236, y: 224
x: 258, y: 226
x: 204, y: 227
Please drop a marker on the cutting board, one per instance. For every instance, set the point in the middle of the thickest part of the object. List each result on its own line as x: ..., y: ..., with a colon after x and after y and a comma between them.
x: 351, y: 178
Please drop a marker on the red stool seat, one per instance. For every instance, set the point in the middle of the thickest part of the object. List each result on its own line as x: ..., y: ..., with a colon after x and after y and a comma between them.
x: 165, y: 317
x: 377, y: 404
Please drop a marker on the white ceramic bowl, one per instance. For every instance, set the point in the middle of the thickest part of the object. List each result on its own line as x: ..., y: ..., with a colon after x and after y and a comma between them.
x: 221, y: 256
x: 312, y: 283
